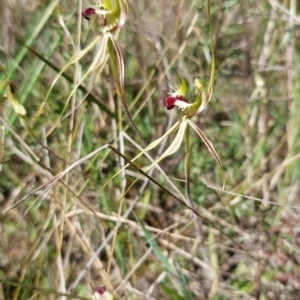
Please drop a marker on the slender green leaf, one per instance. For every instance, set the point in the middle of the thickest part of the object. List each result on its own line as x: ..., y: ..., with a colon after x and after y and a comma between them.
x: 171, y: 292
x: 73, y: 60
x: 156, y: 249
x: 90, y: 97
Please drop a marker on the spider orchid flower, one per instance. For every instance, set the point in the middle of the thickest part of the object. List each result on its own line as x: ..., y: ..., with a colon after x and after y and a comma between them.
x: 102, y: 294
x: 114, y: 13
x: 178, y: 99
x: 182, y: 126
x: 188, y: 110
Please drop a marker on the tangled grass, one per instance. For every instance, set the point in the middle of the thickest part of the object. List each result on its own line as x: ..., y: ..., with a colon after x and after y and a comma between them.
x: 64, y: 231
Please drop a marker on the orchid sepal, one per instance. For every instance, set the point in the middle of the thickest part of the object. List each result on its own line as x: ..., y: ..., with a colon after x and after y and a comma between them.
x: 182, y: 90
x: 192, y: 110
x: 200, y: 91
x: 174, y: 145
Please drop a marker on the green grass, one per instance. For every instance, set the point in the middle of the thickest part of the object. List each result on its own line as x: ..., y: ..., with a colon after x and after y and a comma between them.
x: 62, y: 235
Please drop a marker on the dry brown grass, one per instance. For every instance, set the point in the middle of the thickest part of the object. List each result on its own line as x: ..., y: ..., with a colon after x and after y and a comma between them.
x: 66, y: 233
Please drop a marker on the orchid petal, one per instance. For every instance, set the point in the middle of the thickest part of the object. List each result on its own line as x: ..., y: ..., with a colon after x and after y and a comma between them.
x: 116, y: 15
x: 158, y: 141
x: 107, y: 4
x: 148, y: 148
x: 208, y: 144
x: 200, y: 91
x: 206, y: 141
x: 188, y: 111
x: 117, y: 63
x: 174, y: 145
x: 123, y: 15
x: 182, y: 87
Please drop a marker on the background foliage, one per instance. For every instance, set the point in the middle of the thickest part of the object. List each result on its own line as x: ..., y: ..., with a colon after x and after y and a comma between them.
x: 66, y: 234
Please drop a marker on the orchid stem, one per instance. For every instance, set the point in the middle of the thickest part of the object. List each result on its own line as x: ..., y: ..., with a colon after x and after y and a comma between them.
x: 188, y: 151
x: 129, y: 117
x: 212, y: 72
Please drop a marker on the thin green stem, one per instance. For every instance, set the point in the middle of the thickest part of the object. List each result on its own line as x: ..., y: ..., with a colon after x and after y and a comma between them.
x: 187, y: 161
x: 212, y: 71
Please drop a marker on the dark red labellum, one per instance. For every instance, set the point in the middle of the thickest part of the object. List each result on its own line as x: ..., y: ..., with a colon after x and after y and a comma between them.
x: 169, y: 101
x: 89, y: 11
x: 100, y: 290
